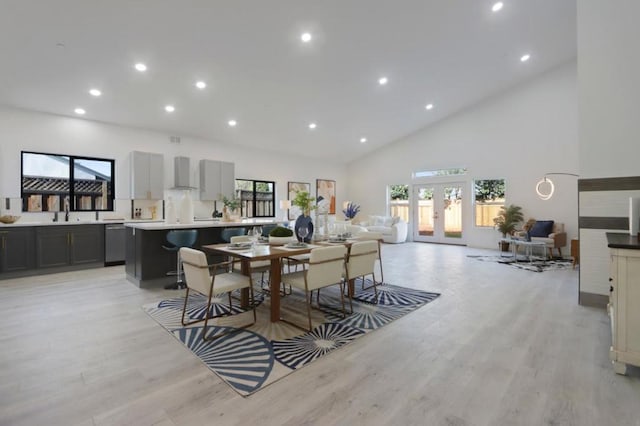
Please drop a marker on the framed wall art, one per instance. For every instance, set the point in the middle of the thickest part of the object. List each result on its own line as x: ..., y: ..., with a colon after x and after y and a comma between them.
x: 327, y: 190
x: 292, y: 189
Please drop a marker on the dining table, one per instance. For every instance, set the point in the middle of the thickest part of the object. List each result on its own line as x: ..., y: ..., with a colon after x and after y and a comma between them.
x: 273, y: 253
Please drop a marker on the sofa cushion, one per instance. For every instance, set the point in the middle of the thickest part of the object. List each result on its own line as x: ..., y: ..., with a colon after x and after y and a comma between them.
x: 388, y: 221
x: 542, y: 228
x: 382, y: 229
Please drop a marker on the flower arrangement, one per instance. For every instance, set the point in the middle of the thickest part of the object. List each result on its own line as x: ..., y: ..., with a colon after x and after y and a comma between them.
x: 304, y: 201
x: 351, y: 210
x: 230, y: 203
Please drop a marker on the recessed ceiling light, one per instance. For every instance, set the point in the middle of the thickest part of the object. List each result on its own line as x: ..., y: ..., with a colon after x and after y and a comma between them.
x: 140, y: 67
x: 201, y: 85
x: 525, y: 58
x: 305, y: 37
x: 363, y: 140
x: 312, y: 126
x: 429, y: 106
x: 169, y: 108
x: 95, y: 92
x: 497, y: 6
x: 383, y: 80
x: 79, y: 111
x: 232, y: 123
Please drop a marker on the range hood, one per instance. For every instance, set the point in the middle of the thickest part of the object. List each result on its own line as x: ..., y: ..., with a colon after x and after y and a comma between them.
x: 182, y: 171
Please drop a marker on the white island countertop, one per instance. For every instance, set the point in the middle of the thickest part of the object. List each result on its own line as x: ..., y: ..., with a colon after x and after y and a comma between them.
x: 201, y: 224
x: 21, y: 223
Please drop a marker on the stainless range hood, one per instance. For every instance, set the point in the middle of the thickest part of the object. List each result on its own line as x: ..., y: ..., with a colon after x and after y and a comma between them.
x: 182, y: 172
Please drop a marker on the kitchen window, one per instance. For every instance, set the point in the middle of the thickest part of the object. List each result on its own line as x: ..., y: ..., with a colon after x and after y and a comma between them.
x: 257, y: 197
x: 55, y: 182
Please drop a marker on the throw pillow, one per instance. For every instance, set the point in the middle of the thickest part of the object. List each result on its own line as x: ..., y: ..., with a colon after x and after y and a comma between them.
x: 396, y: 219
x: 542, y: 228
x: 387, y: 221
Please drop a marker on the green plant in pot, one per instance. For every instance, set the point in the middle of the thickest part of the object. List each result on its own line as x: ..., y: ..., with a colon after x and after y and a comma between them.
x: 305, y: 202
x: 506, y: 221
x: 230, y: 205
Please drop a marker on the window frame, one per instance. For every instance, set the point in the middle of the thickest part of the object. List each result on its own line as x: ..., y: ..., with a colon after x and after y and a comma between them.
x: 71, y: 193
x: 254, y: 200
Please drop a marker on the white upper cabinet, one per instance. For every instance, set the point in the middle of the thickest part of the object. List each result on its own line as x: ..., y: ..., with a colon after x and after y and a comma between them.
x: 217, y: 178
x: 147, y: 176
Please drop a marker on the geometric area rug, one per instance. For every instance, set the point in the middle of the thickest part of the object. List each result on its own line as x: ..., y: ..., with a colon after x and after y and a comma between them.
x: 251, y: 358
x: 535, y: 265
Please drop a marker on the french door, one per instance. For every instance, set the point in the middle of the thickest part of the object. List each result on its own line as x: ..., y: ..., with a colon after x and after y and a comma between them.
x: 437, y: 213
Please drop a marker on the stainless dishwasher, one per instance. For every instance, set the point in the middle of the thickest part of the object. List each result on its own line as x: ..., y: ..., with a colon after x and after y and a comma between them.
x: 114, y: 244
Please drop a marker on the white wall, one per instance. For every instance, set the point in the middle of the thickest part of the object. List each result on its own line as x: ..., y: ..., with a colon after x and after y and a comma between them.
x: 32, y: 131
x: 518, y: 135
x: 608, y: 73
x: 609, y: 131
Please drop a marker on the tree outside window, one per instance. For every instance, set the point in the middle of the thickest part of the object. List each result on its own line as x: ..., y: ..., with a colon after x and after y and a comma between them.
x: 489, y: 198
x: 399, y: 201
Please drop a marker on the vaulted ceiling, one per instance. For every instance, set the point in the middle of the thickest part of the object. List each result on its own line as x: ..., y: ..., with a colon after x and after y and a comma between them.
x: 259, y: 72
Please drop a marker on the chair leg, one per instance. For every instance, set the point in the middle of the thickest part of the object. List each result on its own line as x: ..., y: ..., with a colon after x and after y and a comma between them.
x: 206, y: 317
x: 184, y: 308
x: 230, y: 302
x: 344, y: 314
x: 308, y: 297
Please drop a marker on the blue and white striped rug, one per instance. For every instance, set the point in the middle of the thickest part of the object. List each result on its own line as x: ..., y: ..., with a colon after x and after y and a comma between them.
x: 250, y: 359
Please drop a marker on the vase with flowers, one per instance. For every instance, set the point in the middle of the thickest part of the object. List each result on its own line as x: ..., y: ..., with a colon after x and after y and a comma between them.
x: 304, y: 201
x: 230, y: 206
x: 351, y: 210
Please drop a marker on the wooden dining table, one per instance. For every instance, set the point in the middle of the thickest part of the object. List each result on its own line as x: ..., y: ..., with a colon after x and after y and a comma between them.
x: 274, y: 254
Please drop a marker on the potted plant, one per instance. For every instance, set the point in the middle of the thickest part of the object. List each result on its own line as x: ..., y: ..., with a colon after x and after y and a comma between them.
x: 281, y: 235
x: 304, y: 201
x: 506, y: 222
x: 351, y: 211
x: 230, y: 206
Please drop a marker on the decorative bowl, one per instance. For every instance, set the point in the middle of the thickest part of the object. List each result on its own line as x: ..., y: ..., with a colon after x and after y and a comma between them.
x: 9, y: 218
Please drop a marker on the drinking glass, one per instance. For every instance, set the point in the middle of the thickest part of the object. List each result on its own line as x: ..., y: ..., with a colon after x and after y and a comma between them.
x: 303, y: 231
x: 257, y: 231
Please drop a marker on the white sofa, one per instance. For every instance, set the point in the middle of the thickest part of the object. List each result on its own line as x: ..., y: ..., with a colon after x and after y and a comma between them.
x: 393, y: 229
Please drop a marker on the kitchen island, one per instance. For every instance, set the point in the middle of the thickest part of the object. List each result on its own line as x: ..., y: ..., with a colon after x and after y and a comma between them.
x: 147, y: 263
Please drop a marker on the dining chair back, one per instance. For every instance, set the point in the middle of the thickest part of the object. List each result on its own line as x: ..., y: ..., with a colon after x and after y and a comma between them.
x: 376, y: 236
x: 210, y: 280
x: 325, y: 268
x: 362, y: 261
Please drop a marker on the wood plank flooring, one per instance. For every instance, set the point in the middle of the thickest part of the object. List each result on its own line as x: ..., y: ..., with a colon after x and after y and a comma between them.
x: 501, y: 346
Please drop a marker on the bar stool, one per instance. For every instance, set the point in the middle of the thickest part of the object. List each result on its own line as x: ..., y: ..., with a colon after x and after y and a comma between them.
x: 179, y: 238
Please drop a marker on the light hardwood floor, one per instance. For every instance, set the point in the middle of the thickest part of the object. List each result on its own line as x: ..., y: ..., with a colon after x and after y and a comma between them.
x: 500, y: 347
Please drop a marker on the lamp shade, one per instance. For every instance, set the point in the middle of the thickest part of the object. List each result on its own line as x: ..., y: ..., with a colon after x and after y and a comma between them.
x: 285, y: 204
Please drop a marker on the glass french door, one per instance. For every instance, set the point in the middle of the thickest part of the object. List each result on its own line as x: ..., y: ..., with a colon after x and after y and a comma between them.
x: 437, y: 212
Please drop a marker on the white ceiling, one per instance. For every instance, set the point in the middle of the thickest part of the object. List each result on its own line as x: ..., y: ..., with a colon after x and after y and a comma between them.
x: 450, y: 53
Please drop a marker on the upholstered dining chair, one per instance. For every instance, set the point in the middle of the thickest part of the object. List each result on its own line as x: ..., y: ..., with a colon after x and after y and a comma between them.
x: 205, y: 279
x: 325, y: 268
x: 376, y: 236
x: 362, y: 262
x: 257, y: 266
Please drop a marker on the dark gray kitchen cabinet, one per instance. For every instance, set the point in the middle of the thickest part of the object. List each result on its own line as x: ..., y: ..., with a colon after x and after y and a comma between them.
x: 17, y: 251
x: 69, y: 245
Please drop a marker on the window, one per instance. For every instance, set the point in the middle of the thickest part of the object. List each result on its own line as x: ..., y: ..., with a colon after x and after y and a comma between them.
x: 52, y: 182
x: 399, y: 201
x: 440, y: 172
x: 489, y: 197
x: 257, y: 197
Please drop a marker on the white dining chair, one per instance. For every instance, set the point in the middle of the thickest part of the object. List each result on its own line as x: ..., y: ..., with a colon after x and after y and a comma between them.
x: 325, y: 268
x: 210, y: 280
x: 361, y: 262
x: 376, y: 236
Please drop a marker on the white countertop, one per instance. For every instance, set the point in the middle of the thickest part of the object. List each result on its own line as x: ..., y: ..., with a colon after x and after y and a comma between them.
x: 21, y: 223
x: 201, y: 224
